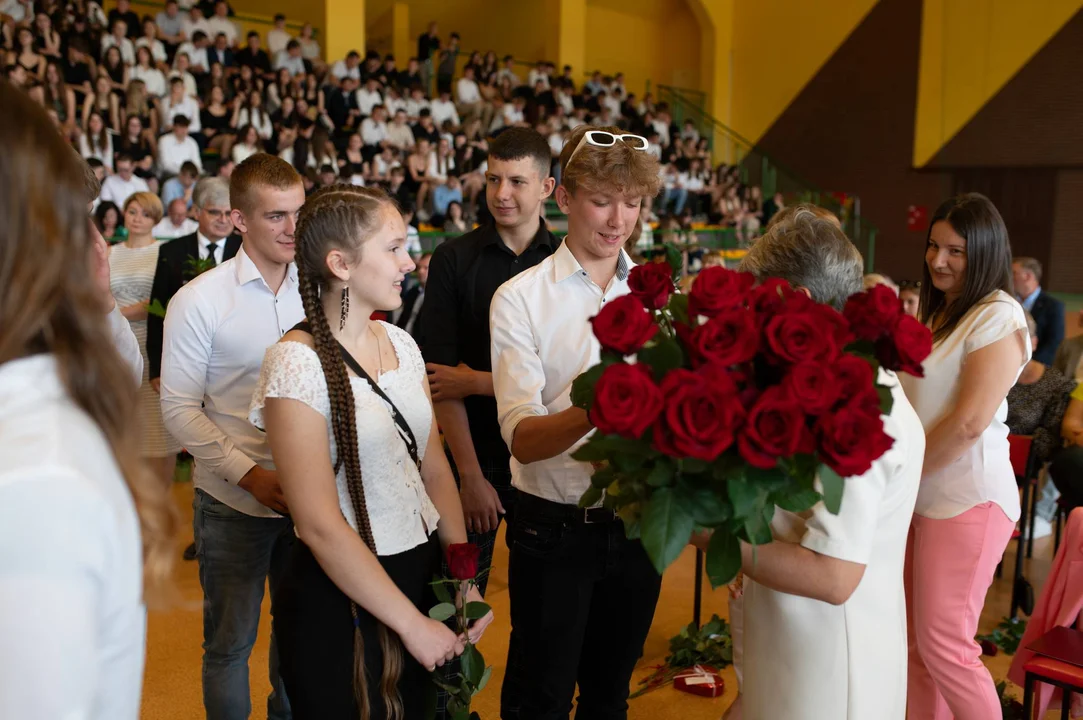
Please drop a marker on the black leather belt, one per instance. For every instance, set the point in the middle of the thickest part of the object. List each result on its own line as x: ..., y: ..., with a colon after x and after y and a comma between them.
x: 534, y: 506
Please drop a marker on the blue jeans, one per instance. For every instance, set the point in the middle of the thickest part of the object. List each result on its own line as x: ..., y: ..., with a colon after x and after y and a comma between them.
x: 236, y: 553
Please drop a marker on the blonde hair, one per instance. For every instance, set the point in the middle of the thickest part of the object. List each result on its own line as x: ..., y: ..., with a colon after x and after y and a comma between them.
x: 55, y: 307
x: 617, y: 167
x: 873, y: 279
x: 149, y: 202
x: 259, y: 170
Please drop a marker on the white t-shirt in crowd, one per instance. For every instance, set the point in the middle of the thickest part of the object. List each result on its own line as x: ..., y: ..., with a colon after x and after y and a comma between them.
x: 372, y: 132
x: 368, y: 99
x: 804, y: 659
x: 166, y: 230
x: 983, y: 473
x: 117, y: 190
x: 277, y: 40
x: 72, y: 619
x: 197, y: 57
x: 222, y: 25
x: 157, y: 49
x: 187, y: 107
x: 414, y: 107
x: 172, y: 153
x: 443, y: 110
x: 152, y: 77
x: 467, y: 91
x: 512, y: 114
x: 340, y: 70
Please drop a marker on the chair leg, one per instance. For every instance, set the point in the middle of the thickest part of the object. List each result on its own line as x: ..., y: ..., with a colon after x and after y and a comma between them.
x: 1028, y: 697
x: 1033, y: 516
x: 1066, y: 704
x: 1056, y: 531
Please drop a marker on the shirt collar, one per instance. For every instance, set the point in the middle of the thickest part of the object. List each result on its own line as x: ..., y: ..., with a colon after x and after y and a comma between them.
x: 1028, y: 301
x: 248, y: 272
x: 541, y: 238
x: 565, y: 265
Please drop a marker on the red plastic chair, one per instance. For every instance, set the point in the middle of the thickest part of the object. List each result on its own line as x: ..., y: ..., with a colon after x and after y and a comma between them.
x: 1023, y: 465
x: 1058, y: 662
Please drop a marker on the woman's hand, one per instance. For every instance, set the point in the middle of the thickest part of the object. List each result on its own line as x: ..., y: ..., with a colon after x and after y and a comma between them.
x: 135, y: 312
x: 480, y: 625
x: 432, y: 643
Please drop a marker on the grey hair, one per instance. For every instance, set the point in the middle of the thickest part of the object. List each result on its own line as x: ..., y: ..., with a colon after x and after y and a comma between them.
x: 808, y: 250
x: 211, y: 191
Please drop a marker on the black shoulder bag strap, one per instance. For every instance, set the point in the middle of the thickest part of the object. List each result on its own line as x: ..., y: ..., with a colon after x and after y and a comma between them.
x: 403, y: 427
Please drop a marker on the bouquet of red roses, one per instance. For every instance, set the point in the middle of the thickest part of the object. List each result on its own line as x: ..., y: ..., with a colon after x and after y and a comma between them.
x: 715, y: 407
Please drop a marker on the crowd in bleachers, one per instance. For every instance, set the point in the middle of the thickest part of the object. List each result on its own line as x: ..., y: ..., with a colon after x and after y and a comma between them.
x: 155, y: 102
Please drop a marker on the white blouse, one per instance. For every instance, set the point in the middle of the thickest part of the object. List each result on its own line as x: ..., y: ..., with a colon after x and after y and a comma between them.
x: 401, y: 513
x: 983, y: 473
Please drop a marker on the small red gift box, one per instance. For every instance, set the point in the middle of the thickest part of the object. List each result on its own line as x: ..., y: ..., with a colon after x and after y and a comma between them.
x: 700, y: 680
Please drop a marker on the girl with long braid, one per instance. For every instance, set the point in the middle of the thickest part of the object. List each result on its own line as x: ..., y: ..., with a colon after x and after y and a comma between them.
x: 346, y: 407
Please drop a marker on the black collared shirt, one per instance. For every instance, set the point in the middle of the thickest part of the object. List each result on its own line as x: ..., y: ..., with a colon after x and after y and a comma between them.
x: 464, y: 274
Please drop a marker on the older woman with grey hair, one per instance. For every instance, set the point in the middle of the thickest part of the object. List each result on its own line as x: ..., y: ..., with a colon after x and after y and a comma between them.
x: 825, y: 606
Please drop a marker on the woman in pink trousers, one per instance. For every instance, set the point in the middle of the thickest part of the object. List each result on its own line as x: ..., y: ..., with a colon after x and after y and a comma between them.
x: 967, y: 504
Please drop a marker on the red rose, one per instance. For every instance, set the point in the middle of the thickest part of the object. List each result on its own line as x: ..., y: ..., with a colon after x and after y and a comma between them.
x: 851, y: 438
x: 775, y: 428
x: 652, y: 284
x: 799, y: 335
x: 855, y: 377
x: 906, y: 347
x: 701, y: 417
x: 774, y: 294
x: 462, y: 560
x: 626, y: 401
x: 873, y: 313
x: 716, y: 289
x: 623, y: 325
x: 834, y: 323
x: 813, y: 386
x: 729, y: 338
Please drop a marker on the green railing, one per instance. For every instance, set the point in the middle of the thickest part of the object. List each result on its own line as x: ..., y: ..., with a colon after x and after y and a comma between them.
x: 757, y: 168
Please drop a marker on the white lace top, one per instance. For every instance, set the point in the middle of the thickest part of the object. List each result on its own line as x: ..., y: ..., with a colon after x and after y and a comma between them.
x: 400, y: 511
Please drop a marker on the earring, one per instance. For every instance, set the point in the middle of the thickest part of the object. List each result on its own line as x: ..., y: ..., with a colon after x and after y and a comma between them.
x: 345, y: 308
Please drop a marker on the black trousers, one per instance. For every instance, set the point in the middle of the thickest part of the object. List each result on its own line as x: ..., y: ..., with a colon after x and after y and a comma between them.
x: 1066, y: 471
x: 314, y: 629
x: 582, y: 602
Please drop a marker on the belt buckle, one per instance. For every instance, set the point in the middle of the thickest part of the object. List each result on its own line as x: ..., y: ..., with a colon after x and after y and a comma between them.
x: 600, y: 514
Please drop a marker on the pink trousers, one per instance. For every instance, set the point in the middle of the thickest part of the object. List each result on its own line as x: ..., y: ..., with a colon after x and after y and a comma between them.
x: 949, y: 568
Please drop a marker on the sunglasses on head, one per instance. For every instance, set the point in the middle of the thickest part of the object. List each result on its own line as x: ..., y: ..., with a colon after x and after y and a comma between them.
x: 603, y: 138
x: 908, y: 285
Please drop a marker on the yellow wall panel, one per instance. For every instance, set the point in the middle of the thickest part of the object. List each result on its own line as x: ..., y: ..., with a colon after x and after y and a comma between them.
x: 969, y: 50
x: 778, y: 46
x: 656, y: 40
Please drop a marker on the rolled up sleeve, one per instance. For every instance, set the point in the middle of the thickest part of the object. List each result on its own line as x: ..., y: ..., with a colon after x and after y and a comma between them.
x: 518, y: 373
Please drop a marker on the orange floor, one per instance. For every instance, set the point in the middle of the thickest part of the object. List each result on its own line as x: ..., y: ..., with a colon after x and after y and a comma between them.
x: 172, y: 686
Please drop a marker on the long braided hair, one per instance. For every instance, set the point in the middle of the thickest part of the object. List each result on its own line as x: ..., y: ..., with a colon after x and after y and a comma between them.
x: 341, y: 217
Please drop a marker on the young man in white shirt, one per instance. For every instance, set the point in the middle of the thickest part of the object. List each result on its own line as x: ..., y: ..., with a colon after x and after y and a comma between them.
x: 178, y: 104
x: 216, y: 331
x: 278, y: 36
x: 176, y: 148
x: 443, y: 110
x: 119, y: 37
x: 582, y: 594
x: 374, y: 132
x: 122, y: 184
x: 823, y: 628
x: 196, y: 52
x: 291, y: 58
x: 369, y: 96
x: 468, y: 99
x: 221, y: 24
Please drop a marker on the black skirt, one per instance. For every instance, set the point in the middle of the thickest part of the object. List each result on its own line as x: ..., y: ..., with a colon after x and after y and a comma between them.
x: 313, y: 628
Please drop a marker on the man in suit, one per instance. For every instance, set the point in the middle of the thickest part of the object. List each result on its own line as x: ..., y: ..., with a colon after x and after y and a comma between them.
x: 1047, y: 311
x: 408, y: 316
x: 214, y: 238
x: 221, y: 53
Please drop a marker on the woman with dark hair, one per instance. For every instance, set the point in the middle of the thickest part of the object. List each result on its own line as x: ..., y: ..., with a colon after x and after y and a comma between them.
x: 968, y: 502
x: 107, y: 219
x: 26, y: 53
x: 86, y: 532
x: 347, y: 410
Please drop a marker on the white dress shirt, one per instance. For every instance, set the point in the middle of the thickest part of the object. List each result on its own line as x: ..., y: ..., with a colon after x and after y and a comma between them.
x: 296, y: 65
x: 400, y: 511
x: 157, y: 49
x: 166, y: 230
x: 261, y: 122
x: 541, y: 342
x: 172, y: 153
x: 187, y: 107
x: 414, y: 107
x: 277, y: 40
x: 220, y: 325
x: 468, y: 91
x: 72, y: 620
x: 127, y: 49
x: 190, y: 87
x: 368, y: 99
x: 152, y: 77
x: 804, y: 659
x: 983, y: 473
x: 117, y: 190
x: 222, y: 25
x: 372, y: 132
x: 444, y: 110
x: 197, y: 57
x: 205, y: 248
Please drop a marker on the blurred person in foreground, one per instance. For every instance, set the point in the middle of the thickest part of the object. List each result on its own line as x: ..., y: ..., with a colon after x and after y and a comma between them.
x: 85, y: 529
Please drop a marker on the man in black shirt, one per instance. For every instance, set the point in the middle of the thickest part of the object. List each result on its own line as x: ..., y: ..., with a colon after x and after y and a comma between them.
x: 342, y: 109
x: 77, y: 72
x: 464, y: 274
x: 426, y: 128
x: 253, y: 56
x: 427, y: 47
x: 123, y: 11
